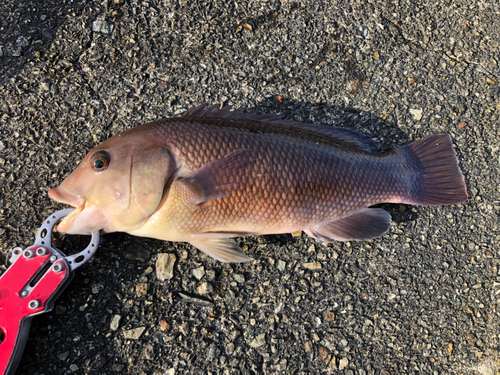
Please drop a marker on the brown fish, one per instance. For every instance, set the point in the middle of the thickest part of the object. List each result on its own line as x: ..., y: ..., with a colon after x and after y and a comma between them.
x: 214, y: 174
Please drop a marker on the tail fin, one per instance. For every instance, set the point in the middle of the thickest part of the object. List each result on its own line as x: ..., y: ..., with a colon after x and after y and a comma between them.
x: 440, y: 180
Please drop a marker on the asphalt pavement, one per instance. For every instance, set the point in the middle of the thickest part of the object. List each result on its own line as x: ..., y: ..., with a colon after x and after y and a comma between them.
x: 422, y: 299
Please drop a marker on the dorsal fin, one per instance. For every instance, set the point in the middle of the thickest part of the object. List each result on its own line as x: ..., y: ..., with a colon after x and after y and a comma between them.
x: 346, y: 136
x: 214, y: 111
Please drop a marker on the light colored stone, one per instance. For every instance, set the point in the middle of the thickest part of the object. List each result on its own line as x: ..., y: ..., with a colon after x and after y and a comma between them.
x: 134, y: 334
x: 102, y: 27
x: 258, y: 341
x: 115, y: 322
x: 239, y: 278
x: 165, y: 266
x: 312, y: 265
x: 343, y: 363
x: 198, y: 272
x: 205, y: 288
x: 416, y: 113
x: 281, y: 265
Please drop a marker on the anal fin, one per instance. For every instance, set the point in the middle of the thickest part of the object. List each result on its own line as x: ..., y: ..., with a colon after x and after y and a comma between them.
x: 222, y: 249
x: 363, y: 224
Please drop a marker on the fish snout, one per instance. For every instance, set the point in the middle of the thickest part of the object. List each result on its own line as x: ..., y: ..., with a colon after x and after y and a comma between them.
x: 63, y: 197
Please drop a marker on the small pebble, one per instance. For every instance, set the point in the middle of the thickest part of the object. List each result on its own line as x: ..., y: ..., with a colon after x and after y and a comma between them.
x: 211, y: 352
x: 449, y: 348
x: 196, y: 300
x: 198, y: 272
x: 258, y: 341
x: 73, y: 367
x: 165, y: 266
x: 324, y: 354
x: 205, y: 288
x: 22, y: 42
x: 343, y: 363
x: 133, y: 334
x: 115, y: 322
x: 339, y: 276
x: 281, y: 265
x: 416, y: 113
x: 312, y: 265
x: 308, y: 346
x: 329, y: 316
x: 164, y: 326
x: 239, y: 278
x: 63, y: 356
x: 141, y: 289
x: 102, y: 27
x: 184, y: 328
x: 148, y: 352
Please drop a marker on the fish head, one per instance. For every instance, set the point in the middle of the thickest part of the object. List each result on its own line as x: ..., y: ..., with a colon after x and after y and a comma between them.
x: 118, y: 185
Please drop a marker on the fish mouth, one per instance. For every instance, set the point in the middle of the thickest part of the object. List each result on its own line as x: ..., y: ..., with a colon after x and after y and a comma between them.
x: 62, y: 197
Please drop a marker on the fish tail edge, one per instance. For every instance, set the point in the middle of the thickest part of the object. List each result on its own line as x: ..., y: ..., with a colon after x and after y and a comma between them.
x: 440, y: 180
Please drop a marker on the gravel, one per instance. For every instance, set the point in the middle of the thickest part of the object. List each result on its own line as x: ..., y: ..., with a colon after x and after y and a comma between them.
x: 422, y: 298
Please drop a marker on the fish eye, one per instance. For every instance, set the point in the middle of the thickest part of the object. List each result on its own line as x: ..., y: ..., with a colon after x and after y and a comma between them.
x: 99, y: 161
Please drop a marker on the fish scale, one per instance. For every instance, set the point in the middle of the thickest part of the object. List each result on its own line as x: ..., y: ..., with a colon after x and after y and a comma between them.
x: 214, y: 174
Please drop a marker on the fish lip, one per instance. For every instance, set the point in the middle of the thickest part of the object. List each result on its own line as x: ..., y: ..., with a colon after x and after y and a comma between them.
x: 62, y: 197
x: 73, y: 200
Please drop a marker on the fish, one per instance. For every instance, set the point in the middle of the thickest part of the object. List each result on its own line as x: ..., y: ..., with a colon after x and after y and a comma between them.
x: 214, y: 174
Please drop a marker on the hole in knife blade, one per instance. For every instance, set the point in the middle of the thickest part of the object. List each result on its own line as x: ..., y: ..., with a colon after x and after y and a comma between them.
x: 2, y: 334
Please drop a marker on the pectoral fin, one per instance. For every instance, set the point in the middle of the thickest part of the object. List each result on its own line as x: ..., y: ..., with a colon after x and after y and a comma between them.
x: 220, y: 177
x: 223, y: 249
x: 364, y: 224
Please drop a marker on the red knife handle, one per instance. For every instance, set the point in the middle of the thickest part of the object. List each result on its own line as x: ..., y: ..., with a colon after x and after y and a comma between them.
x: 27, y: 288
